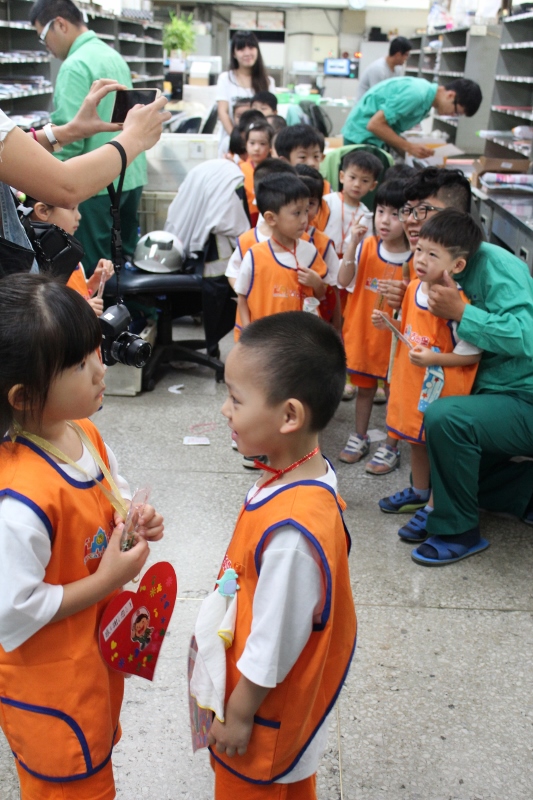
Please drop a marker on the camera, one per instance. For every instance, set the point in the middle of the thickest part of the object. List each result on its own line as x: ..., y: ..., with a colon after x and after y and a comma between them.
x: 118, y: 344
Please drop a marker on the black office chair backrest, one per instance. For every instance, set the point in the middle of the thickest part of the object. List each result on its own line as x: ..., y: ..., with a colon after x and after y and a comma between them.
x: 190, y: 125
x: 211, y: 121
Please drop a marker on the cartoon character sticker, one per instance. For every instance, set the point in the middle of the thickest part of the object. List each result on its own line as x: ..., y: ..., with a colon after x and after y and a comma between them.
x: 140, y: 630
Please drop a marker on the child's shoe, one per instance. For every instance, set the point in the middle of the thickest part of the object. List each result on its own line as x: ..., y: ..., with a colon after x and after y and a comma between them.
x: 385, y: 460
x: 380, y: 398
x: 349, y: 391
x: 357, y: 447
x: 249, y: 461
x: 403, y: 502
x: 415, y: 529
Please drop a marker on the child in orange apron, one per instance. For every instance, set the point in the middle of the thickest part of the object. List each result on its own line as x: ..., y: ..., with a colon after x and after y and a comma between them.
x: 433, y: 361
x: 258, y: 140
x: 367, y: 261
x: 290, y: 549
x: 62, y: 507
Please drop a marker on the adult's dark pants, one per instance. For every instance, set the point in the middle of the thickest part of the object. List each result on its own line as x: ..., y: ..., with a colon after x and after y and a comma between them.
x: 95, y: 226
x: 470, y: 441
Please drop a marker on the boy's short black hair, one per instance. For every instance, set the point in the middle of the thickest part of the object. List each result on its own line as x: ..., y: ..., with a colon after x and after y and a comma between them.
x: 312, y: 179
x: 276, y: 191
x: 456, y: 231
x: 247, y: 117
x: 262, y: 126
x: 365, y: 161
x: 400, y: 45
x: 267, y: 98
x: 277, y: 122
x: 467, y: 94
x: 271, y: 166
x: 390, y: 193
x: 242, y: 101
x: 294, y: 136
x: 400, y: 172
x: 43, y: 11
x: 449, y: 185
x: 301, y: 356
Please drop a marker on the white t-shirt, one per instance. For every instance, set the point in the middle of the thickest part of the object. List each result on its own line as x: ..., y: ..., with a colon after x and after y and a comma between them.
x: 386, y: 255
x: 230, y: 90
x: 340, y: 220
x: 27, y: 602
x: 288, y: 600
x: 305, y: 255
x: 461, y: 348
x: 6, y: 125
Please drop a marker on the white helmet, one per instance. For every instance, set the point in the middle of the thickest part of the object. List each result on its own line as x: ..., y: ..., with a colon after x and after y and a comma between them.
x: 159, y: 251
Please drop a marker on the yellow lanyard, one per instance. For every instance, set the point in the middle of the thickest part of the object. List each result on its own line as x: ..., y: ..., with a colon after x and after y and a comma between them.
x: 114, y: 497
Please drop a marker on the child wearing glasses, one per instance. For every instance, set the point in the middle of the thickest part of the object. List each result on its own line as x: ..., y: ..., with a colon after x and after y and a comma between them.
x: 430, y: 361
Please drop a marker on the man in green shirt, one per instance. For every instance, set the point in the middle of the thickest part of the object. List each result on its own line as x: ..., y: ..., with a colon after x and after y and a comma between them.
x: 391, y: 107
x: 86, y: 58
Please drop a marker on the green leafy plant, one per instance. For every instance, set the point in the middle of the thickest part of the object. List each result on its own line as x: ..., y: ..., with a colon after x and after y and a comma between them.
x: 179, y: 33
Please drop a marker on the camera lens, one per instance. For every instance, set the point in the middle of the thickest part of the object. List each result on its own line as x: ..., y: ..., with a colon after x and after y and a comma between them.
x: 131, y: 350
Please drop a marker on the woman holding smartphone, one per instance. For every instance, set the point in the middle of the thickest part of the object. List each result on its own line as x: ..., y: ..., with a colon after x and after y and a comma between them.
x: 246, y: 76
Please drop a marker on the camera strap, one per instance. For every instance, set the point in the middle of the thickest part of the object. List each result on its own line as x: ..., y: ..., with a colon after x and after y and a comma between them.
x: 116, y: 233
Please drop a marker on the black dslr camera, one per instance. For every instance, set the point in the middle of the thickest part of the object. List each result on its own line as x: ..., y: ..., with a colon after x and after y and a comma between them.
x: 118, y: 344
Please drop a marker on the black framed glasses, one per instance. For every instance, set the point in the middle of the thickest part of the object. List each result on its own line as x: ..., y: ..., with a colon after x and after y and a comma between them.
x: 419, y: 213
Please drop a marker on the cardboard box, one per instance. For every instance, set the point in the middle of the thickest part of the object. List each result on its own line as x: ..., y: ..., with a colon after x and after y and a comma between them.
x: 485, y: 164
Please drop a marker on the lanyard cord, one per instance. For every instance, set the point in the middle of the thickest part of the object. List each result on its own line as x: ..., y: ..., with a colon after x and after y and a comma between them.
x: 114, y: 496
x: 288, y: 250
x: 277, y: 473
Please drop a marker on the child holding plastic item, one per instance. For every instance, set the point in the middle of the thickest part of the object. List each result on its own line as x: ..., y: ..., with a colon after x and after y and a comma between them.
x: 367, y: 261
x: 258, y: 140
x: 69, y: 219
x: 290, y: 551
x: 359, y: 175
x: 434, y: 362
x: 61, y: 563
x: 277, y: 275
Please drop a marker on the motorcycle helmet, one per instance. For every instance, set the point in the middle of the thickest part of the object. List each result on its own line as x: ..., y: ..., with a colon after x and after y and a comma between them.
x: 159, y: 251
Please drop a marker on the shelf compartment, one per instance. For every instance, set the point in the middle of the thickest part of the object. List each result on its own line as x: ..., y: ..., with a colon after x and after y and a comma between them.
x: 148, y: 79
x: 523, y: 113
x: 514, y: 78
x: 517, y: 46
x: 450, y: 73
x: 519, y: 17
x: 25, y: 60
x: 28, y: 93
x: 447, y: 120
x: 453, y: 50
x: 522, y: 149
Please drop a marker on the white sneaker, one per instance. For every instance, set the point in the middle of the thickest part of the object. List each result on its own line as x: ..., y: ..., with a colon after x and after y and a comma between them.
x: 357, y: 447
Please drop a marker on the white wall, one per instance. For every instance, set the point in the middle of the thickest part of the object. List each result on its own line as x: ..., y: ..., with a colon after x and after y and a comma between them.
x: 405, y: 21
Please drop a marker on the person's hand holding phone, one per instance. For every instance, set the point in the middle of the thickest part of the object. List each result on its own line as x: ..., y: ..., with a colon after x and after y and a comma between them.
x: 146, y: 121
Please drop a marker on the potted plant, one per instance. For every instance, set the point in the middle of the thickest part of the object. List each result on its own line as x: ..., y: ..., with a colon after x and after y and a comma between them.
x: 179, y: 35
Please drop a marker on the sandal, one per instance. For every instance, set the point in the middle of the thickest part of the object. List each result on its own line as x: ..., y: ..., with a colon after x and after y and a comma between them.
x: 447, y: 552
x: 386, y: 459
x: 357, y: 447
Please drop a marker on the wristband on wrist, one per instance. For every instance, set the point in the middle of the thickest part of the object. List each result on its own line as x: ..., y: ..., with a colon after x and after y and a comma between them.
x: 48, y: 132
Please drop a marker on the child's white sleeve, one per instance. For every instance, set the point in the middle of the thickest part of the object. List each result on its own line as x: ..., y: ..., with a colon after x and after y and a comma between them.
x: 244, y: 278
x: 234, y: 264
x: 332, y: 262
x: 27, y: 602
x: 351, y: 285
x: 288, y: 599
x: 463, y: 348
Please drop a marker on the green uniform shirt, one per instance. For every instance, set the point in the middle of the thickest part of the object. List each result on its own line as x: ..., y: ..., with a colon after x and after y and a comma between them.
x: 499, y: 320
x: 90, y: 58
x: 404, y: 101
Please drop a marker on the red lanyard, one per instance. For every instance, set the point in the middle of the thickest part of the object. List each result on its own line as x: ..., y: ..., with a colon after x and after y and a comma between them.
x: 277, y: 473
x: 288, y: 249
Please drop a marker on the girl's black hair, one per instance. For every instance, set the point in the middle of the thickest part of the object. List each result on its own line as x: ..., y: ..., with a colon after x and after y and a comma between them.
x: 312, y: 179
x: 249, y: 116
x: 239, y: 41
x: 390, y: 193
x: 236, y: 142
x: 45, y: 328
x: 261, y: 126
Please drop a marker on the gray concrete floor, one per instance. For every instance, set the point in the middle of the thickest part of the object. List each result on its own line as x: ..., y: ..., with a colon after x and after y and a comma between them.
x: 437, y: 705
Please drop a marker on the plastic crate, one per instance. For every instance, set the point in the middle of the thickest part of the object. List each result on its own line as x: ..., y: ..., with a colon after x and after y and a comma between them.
x: 127, y: 381
x: 153, y: 210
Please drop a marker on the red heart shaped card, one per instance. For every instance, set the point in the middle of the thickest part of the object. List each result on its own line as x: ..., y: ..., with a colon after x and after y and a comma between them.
x: 134, y: 624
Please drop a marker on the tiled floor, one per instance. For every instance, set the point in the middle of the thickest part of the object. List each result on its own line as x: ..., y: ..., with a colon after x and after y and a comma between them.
x: 438, y: 703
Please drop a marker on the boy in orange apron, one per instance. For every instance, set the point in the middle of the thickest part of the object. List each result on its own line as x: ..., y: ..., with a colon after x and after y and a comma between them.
x: 290, y: 552
x: 433, y: 362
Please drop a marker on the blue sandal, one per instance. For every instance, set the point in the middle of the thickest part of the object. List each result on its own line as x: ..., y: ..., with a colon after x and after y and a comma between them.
x: 448, y: 552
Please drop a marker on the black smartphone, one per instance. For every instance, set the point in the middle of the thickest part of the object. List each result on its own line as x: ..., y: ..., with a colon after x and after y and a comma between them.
x: 127, y: 98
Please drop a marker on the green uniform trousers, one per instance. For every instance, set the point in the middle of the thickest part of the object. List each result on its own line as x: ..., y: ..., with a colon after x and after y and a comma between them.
x: 470, y: 441
x: 95, y: 226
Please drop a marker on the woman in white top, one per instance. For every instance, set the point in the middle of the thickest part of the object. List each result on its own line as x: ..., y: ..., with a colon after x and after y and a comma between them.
x: 246, y: 76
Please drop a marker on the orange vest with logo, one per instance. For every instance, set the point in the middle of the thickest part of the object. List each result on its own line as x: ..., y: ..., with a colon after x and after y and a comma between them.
x: 244, y: 242
x: 293, y: 711
x: 248, y: 170
x: 367, y: 348
x: 59, y: 702
x: 78, y: 282
x: 421, y: 327
x: 274, y: 287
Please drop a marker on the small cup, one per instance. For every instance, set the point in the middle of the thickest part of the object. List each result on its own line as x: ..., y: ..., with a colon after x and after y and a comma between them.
x: 311, y: 305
